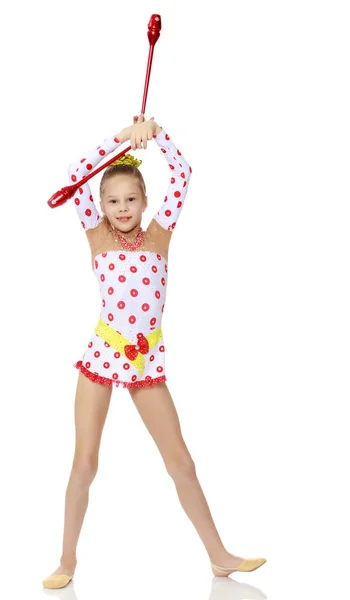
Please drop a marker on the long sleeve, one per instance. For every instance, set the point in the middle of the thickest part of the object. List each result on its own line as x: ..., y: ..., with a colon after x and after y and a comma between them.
x: 169, y: 212
x: 83, y: 199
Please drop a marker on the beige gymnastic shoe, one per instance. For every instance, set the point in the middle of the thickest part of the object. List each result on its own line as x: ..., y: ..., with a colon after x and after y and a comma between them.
x: 248, y: 564
x: 54, y: 582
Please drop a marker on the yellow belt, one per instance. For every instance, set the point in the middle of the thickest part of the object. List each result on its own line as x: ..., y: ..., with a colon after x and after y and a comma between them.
x: 133, y: 352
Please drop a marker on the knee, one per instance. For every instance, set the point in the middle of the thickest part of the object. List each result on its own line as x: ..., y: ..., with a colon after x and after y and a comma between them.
x: 84, y: 469
x: 181, y: 466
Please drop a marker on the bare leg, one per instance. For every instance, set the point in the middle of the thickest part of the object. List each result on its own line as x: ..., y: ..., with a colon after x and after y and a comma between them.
x: 91, y: 407
x: 159, y: 414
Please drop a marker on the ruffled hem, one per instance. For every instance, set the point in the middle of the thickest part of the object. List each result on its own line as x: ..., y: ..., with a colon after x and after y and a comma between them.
x: 126, y: 384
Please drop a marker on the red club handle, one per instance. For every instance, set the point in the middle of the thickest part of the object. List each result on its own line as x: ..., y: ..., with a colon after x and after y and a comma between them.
x: 65, y: 193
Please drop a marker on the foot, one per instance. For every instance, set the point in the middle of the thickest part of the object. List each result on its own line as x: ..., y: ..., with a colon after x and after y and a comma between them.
x: 65, y: 568
x: 228, y: 560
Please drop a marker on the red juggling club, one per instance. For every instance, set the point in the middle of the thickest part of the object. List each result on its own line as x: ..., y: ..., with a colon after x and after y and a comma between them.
x: 61, y: 197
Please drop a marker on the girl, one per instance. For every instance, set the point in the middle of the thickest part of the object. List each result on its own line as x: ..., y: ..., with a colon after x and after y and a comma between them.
x: 127, y: 347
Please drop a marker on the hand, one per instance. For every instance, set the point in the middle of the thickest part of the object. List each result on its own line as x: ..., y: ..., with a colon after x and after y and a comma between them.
x: 140, y: 132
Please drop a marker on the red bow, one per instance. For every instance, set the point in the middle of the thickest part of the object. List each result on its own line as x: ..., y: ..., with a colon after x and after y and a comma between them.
x: 132, y: 350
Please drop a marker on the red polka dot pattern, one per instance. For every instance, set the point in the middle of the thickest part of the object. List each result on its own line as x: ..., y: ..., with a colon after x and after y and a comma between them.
x: 132, y: 283
x: 168, y: 214
x: 132, y: 304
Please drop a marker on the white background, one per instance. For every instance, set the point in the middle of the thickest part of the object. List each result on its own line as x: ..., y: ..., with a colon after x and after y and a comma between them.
x: 256, y: 96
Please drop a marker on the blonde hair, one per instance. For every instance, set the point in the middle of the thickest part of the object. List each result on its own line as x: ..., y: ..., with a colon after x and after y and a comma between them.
x: 125, y: 165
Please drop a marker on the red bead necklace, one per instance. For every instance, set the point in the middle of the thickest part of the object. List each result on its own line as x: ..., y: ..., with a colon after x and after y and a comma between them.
x: 130, y: 245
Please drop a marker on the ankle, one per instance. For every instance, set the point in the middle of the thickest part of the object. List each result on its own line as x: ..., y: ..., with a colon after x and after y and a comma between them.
x: 218, y: 556
x: 68, y: 560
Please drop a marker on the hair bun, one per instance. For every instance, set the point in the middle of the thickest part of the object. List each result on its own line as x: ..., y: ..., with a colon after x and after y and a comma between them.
x: 126, y: 159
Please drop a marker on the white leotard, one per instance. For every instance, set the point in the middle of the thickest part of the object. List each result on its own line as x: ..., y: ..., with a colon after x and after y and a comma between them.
x: 127, y: 346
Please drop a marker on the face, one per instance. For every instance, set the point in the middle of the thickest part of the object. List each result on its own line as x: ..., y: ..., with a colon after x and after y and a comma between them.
x: 122, y: 197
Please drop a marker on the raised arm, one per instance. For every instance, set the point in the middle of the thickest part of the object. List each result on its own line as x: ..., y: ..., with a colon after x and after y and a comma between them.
x: 169, y: 212
x: 83, y: 200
